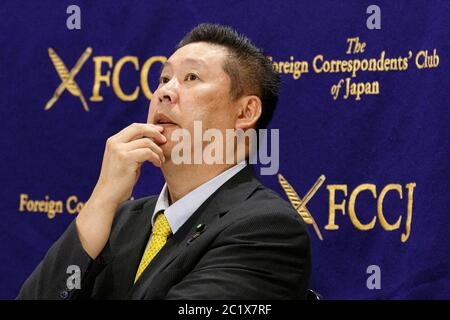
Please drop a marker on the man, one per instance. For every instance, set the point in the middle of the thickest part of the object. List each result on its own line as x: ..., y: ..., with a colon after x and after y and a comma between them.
x: 214, y: 232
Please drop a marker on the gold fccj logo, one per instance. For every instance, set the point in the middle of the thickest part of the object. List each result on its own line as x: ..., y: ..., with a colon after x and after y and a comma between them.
x: 68, y: 78
x: 299, y: 205
x: 107, y: 73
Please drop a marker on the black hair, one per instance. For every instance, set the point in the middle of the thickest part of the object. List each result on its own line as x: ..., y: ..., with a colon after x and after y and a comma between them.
x: 250, y: 71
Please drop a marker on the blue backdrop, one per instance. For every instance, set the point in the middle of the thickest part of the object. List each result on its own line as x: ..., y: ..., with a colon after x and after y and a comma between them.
x: 376, y: 157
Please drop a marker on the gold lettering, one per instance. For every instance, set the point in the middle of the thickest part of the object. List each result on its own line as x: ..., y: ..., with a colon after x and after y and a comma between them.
x: 144, y: 74
x: 116, y: 81
x: 316, y: 68
x: 420, y: 63
x: 351, y: 206
x: 99, y: 77
x: 359, y: 88
x: 410, y: 187
x: 69, y: 207
x: 350, y: 42
x: 23, y: 201
x: 48, y: 206
x: 333, y: 206
x: 386, y: 225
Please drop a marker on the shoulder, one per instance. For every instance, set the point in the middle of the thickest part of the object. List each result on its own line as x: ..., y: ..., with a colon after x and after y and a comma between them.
x: 265, y: 202
x: 265, y: 209
x: 136, y: 204
x: 130, y: 206
x: 268, y: 223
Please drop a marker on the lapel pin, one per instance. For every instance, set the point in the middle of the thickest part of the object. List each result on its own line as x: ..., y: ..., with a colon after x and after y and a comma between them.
x: 198, y: 231
x: 201, y: 227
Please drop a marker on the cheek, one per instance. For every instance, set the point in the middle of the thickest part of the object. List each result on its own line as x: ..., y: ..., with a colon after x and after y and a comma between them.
x: 210, y: 105
x: 151, y: 111
x: 221, y: 112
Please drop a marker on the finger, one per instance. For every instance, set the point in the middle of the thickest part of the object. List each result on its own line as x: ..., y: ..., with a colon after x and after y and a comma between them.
x: 145, y: 154
x: 144, y: 143
x: 139, y: 130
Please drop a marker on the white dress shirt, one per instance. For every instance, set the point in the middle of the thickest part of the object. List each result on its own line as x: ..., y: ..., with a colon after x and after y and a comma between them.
x: 178, y: 213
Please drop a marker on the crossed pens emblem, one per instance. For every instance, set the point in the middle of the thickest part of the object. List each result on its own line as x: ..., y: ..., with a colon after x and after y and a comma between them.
x: 68, y: 78
x: 299, y: 204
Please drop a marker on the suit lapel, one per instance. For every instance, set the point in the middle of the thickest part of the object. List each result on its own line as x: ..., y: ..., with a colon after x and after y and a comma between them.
x: 128, y: 246
x: 234, y: 191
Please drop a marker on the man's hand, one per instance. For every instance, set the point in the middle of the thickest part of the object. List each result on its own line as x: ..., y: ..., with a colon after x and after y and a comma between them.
x: 124, y: 155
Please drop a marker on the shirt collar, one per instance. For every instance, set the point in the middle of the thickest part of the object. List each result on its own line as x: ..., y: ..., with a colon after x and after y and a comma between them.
x: 177, y: 213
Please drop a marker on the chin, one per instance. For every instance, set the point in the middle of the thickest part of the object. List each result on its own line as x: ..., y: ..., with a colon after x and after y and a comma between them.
x: 169, y: 129
x: 167, y: 149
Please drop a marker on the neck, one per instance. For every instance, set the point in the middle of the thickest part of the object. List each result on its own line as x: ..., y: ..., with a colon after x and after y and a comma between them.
x: 182, y: 179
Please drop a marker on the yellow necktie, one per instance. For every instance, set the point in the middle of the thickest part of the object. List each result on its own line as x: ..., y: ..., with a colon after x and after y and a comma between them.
x: 160, y: 233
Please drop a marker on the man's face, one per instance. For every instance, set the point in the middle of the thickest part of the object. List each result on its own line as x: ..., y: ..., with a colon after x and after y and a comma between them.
x: 193, y: 87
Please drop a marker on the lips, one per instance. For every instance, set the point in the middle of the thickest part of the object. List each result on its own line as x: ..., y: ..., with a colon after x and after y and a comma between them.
x: 162, y: 119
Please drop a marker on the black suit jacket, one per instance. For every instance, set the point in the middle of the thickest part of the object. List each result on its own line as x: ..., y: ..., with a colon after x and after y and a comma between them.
x: 254, y: 246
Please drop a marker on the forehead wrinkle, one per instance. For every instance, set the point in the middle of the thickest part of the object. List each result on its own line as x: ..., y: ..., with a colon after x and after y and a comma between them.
x: 198, y: 62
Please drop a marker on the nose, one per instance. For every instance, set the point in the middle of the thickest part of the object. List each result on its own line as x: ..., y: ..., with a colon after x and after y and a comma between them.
x: 168, y: 93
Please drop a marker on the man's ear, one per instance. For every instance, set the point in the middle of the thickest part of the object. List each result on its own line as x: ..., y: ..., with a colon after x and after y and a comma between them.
x: 249, y: 111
